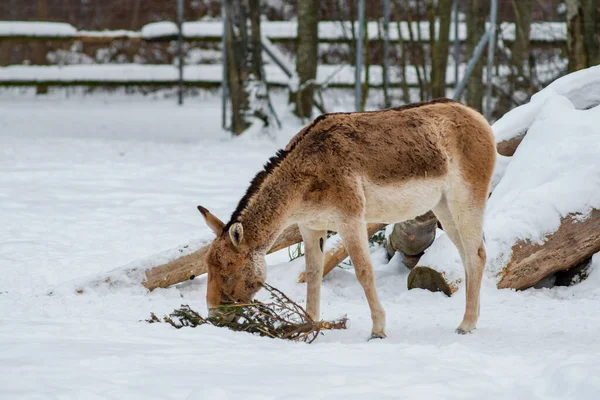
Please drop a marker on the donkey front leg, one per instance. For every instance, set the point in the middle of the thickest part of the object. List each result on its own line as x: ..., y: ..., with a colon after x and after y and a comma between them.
x: 356, y: 241
x: 314, y: 243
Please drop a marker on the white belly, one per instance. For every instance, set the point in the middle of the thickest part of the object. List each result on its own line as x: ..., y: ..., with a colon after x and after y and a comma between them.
x: 384, y: 204
x: 391, y: 204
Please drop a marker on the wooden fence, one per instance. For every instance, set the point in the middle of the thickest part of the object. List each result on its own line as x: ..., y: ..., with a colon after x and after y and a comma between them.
x: 156, y: 37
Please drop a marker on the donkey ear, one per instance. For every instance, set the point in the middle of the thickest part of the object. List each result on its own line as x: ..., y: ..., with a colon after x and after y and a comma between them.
x: 213, y: 222
x: 236, y: 233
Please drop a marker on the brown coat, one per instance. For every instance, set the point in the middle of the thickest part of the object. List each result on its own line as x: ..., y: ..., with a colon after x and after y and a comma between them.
x: 345, y: 170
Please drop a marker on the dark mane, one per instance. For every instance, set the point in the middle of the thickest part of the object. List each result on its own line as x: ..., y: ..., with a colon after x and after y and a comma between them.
x: 255, y: 184
x: 281, y: 154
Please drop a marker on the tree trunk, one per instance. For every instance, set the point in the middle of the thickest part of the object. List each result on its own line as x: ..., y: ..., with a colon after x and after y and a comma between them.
x: 439, y: 50
x: 425, y: 83
x: 576, y: 38
x: 592, y: 31
x: 306, y: 56
x: 477, y: 11
x: 421, y: 79
x: 255, y: 39
x: 384, y: 31
x: 43, y: 10
x: 403, y: 53
x: 135, y: 14
x: 244, y: 62
x: 521, y: 74
x: 367, y: 65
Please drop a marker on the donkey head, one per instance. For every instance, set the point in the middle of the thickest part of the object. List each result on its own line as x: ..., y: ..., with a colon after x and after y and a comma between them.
x: 235, y: 271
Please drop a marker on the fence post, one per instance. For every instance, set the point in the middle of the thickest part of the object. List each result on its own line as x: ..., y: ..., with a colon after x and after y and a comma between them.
x: 180, y: 47
x: 456, y: 44
x: 386, y: 52
x: 224, y: 77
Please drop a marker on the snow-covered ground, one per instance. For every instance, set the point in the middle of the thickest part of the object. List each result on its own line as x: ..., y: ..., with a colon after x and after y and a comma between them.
x: 91, y: 183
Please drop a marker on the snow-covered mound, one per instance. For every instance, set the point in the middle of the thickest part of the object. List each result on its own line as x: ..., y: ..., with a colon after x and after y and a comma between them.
x: 582, y: 88
x: 555, y: 172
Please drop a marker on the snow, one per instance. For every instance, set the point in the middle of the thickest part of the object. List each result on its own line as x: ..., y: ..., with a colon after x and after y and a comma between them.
x: 159, y: 29
x: 333, y: 30
x: 92, y: 183
x: 109, y: 73
x: 57, y: 30
x: 34, y: 29
x: 108, y: 33
x: 539, y: 31
x: 582, y: 88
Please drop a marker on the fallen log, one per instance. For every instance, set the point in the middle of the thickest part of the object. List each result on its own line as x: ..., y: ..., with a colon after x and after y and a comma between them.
x: 192, y: 265
x: 439, y: 269
x: 575, y: 241
x: 338, y: 253
x: 411, y: 238
x: 176, y: 271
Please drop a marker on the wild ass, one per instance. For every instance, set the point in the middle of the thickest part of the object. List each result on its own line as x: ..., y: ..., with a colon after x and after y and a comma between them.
x: 345, y: 170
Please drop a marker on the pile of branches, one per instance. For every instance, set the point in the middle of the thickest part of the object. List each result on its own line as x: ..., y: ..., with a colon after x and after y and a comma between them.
x: 279, y: 318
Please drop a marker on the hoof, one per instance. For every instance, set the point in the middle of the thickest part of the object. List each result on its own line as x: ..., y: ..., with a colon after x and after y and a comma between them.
x: 377, y: 336
x: 461, y: 331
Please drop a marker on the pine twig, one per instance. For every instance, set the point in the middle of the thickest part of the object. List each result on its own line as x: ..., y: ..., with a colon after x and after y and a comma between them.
x: 280, y: 318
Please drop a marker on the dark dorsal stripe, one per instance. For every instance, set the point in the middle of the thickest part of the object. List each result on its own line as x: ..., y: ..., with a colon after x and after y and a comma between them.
x: 278, y: 158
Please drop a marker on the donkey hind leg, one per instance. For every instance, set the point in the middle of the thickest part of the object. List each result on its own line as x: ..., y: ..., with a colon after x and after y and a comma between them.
x: 356, y: 241
x: 314, y: 242
x: 462, y: 220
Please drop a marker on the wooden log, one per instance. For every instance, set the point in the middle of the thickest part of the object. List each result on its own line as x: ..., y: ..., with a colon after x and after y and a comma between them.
x: 508, y: 147
x: 192, y: 265
x: 435, y: 273
x: 573, y: 242
x: 411, y: 238
x: 290, y: 236
x: 422, y: 277
x: 176, y: 271
x: 338, y: 253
